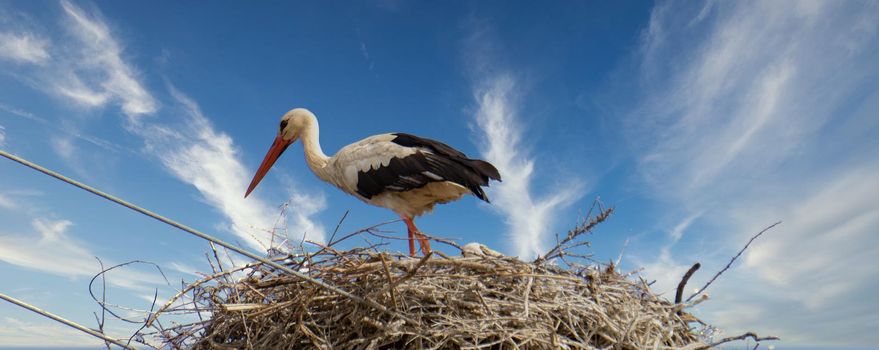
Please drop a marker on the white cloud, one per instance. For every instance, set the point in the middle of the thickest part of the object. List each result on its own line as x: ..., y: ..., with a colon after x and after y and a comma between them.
x: 2, y: 136
x: 678, y: 231
x: 754, y: 112
x: 664, y: 270
x: 20, y: 333
x: 97, y: 73
x: 195, y: 153
x: 72, y: 87
x: 49, y: 248
x: 742, y: 105
x: 64, y: 147
x: 63, y: 130
x: 198, y: 154
x: 827, y: 246
x: 7, y: 203
x: 529, y: 219
x: 23, y: 48
x: 183, y: 268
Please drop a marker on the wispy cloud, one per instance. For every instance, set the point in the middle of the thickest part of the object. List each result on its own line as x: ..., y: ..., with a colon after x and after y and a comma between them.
x: 198, y: 154
x: 88, y: 71
x: 195, y: 152
x: 6, y: 203
x: 742, y: 105
x: 678, y: 231
x: 98, y: 73
x: 50, y: 248
x: 64, y: 131
x: 665, y: 271
x: 754, y: 112
x: 63, y: 147
x: 529, y: 219
x: 2, y: 136
x: 23, y: 48
x: 21, y: 333
x: 827, y: 246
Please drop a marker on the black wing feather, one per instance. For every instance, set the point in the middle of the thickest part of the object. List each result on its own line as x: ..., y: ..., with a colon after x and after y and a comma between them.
x: 447, y: 163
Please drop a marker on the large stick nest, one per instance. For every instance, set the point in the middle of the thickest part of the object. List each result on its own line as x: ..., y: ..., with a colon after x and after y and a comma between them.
x: 471, y: 301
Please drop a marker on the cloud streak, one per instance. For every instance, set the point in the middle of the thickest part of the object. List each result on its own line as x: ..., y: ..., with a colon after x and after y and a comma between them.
x: 754, y: 112
x: 69, y: 257
x: 95, y: 73
x: 65, y: 131
x: 6, y: 202
x: 99, y: 74
x: 529, y: 219
x: 20, y: 333
x: 23, y: 48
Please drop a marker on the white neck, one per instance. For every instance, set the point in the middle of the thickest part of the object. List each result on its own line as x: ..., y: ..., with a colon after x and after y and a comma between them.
x: 314, y: 156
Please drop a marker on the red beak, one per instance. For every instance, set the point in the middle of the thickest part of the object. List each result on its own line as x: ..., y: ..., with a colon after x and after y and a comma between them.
x: 275, y: 151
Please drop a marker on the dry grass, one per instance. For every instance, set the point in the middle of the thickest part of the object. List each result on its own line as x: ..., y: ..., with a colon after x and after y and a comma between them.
x: 478, y: 301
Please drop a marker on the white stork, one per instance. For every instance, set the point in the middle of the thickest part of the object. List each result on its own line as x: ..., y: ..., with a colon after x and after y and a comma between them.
x: 404, y: 173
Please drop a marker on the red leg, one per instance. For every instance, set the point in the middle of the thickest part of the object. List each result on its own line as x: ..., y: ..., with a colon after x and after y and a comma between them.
x: 411, y: 236
x: 423, y: 242
x: 411, y: 244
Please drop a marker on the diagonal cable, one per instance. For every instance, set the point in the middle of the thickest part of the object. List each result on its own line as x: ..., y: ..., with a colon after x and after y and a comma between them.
x: 65, y: 321
x: 364, y: 301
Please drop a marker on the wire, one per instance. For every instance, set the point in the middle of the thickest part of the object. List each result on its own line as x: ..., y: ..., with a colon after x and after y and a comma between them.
x: 364, y: 301
x: 65, y: 321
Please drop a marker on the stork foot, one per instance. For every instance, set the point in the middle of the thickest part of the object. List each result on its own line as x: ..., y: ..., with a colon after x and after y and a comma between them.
x: 423, y: 241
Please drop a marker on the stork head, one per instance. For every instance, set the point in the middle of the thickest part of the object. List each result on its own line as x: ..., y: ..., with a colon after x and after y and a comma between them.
x: 292, y: 125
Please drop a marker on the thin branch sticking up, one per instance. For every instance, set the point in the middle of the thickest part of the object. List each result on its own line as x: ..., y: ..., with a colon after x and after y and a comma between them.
x: 680, y: 292
x: 739, y: 337
x: 731, y: 261
x: 569, y: 241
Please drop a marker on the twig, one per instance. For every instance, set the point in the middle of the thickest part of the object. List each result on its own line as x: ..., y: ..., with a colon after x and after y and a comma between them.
x: 585, y: 227
x: 338, y: 225
x: 65, y: 321
x: 101, y: 274
x: 683, y: 284
x: 411, y: 272
x: 528, y: 296
x: 144, y: 325
x: 731, y: 261
x: 191, y: 286
x: 103, y: 300
x: 739, y: 337
x: 390, y: 279
x: 331, y: 243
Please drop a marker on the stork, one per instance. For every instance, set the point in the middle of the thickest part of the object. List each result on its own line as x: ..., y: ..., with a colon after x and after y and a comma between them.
x: 401, y: 172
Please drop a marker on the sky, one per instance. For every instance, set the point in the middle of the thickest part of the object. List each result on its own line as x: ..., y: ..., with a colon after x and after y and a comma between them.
x: 700, y: 122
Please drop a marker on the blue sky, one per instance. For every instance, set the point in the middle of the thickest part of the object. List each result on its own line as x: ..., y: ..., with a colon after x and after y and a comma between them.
x: 701, y: 123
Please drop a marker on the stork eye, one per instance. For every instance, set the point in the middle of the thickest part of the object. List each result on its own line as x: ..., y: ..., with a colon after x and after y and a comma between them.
x: 283, y: 125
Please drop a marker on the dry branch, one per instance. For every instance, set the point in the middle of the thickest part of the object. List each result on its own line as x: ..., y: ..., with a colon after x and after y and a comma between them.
x: 731, y: 261
x: 456, y: 302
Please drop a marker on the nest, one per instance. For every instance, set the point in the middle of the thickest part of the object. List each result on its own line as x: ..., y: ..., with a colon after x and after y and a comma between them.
x: 472, y: 301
